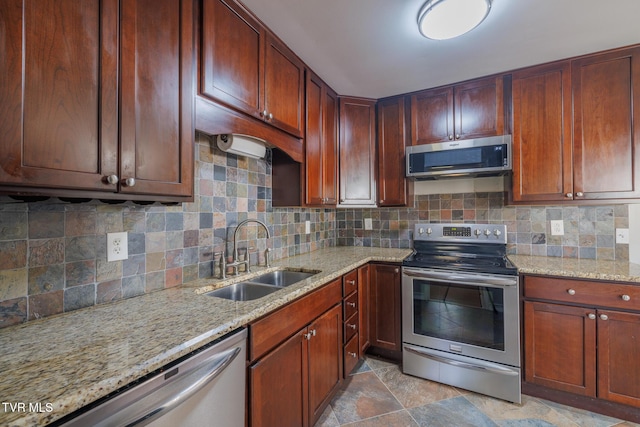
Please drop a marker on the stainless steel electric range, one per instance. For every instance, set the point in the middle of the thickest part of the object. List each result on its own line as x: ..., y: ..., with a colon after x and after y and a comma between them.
x: 460, y: 320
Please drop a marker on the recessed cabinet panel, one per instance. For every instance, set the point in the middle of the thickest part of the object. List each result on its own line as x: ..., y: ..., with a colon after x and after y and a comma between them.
x: 479, y: 108
x: 392, y: 183
x: 432, y: 116
x: 313, y: 143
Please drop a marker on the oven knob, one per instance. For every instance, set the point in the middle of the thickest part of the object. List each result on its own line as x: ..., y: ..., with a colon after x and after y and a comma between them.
x: 429, y: 230
x: 487, y: 232
x: 420, y: 230
x: 497, y: 233
x: 478, y: 232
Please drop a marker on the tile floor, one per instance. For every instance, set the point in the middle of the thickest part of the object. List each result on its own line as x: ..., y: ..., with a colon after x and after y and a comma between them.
x: 379, y: 394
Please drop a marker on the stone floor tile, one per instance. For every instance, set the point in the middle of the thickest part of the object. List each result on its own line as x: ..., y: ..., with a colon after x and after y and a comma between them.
x: 457, y: 411
x: 394, y: 419
x: 582, y: 417
x: 327, y: 419
x: 378, y: 363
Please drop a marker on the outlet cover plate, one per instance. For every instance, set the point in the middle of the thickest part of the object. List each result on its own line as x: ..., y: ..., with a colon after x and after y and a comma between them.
x: 368, y: 224
x: 622, y: 236
x: 307, y: 227
x: 557, y: 227
x: 117, y: 247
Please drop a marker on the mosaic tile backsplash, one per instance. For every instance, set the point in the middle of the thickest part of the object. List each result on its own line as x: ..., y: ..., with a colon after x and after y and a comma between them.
x: 53, y: 253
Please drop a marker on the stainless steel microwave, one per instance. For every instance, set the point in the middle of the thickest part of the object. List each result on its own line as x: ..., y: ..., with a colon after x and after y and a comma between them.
x: 489, y: 156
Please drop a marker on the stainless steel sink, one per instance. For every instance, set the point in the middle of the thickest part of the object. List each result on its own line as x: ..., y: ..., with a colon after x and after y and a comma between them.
x: 260, y: 286
x: 243, y: 291
x: 282, y: 278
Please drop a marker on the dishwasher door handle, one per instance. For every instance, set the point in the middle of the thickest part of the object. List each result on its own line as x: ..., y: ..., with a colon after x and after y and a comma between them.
x: 167, y: 398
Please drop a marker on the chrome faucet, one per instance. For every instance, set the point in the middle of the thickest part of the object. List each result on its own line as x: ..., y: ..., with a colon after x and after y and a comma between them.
x: 236, y: 262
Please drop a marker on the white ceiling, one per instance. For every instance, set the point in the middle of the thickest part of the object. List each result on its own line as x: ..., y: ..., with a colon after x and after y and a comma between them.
x: 372, y: 48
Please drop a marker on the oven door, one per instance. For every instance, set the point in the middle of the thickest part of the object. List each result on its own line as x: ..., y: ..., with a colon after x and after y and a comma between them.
x: 470, y: 314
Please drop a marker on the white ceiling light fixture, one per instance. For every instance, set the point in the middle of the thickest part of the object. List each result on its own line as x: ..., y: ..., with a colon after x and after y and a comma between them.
x: 446, y: 19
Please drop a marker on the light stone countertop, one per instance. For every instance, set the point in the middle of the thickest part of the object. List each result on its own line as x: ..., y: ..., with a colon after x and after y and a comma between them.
x: 72, y: 359
x: 578, y: 268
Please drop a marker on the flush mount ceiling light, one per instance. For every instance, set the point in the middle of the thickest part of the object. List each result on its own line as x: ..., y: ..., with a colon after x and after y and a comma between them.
x: 446, y: 19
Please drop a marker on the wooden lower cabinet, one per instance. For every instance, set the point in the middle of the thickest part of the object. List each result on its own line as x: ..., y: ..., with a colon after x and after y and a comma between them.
x: 576, y: 345
x: 385, y: 307
x: 364, y: 308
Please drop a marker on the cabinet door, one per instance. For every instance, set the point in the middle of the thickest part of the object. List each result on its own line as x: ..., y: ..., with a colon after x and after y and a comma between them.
x: 357, y: 152
x: 284, y: 87
x: 58, y: 115
x: 314, y: 169
x: 278, y: 386
x: 385, y: 307
x: 392, y: 183
x: 432, y: 116
x: 479, y: 108
x: 325, y: 360
x: 364, y: 307
x: 229, y: 74
x: 560, y: 347
x: 606, y: 102
x: 542, y: 158
x: 156, y: 111
x: 330, y: 147
x: 618, y: 363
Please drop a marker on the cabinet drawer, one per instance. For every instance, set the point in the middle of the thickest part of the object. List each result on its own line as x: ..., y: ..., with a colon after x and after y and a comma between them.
x: 351, y: 355
x: 351, y: 327
x: 601, y: 294
x: 268, y: 332
x: 350, y: 283
x: 350, y: 305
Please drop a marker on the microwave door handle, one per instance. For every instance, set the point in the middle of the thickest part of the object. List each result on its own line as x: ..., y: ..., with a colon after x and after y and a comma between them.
x: 458, y: 278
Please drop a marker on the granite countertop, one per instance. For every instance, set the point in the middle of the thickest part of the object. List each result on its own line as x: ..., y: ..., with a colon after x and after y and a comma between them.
x: 67, y: 361
x: 578, y: 268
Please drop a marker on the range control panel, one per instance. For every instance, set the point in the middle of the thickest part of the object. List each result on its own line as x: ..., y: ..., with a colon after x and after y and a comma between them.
x: 472, y: 233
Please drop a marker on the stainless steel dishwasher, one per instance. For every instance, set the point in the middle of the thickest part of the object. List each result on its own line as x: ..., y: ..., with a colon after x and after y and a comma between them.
x: 205, y: 389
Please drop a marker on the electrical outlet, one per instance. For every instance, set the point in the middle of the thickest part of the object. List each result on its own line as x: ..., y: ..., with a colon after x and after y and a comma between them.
x: 117, y: 248
x: 307, y: 227
x: 368, y: 224
x: 557, y: 227
x: 622, y: 235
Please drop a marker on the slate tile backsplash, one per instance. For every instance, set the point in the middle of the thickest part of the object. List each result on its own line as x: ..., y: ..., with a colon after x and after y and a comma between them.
x: 53, y: 253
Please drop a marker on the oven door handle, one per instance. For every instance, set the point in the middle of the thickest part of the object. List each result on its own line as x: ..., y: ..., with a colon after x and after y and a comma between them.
x: 483, y: 368
x: 471, y: 279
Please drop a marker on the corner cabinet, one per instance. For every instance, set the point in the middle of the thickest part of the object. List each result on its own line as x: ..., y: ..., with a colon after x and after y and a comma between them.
x: 468, y: 110
x: 357, y: 152
x: 582, y: 338
x: 264, y: 79
x: 385, y: 310
x: 321, y: 142
x: 393, y: 186
x: 295, y: 359
x: 97, y: 99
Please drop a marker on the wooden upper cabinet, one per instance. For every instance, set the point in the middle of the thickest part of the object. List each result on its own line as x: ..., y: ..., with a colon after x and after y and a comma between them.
x: 61, y: 112
x: 469, y: 110
x: 58, y: 115
x: 357, y: 152
x: 321, y: 143
x: 606, y: 121
x: 156, y: 97
x: 542, y: 157
x: 246, y: 67
x: 392, y: 135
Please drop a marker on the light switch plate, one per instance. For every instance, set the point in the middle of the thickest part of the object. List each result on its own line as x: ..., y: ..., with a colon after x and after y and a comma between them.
x: 368, y: 224
x: 557, y: 227
x: 117, y: 247
x: 622, y: 235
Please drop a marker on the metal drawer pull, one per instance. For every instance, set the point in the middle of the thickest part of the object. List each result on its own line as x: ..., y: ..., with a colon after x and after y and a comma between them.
x: 352, y: 354
x: 351, y: 282
x: 626, y: 297
x: 592, y: 316
x: 351, y: 304
x: 571, y: 291
x: 604, y: 317
x: 351, y: 326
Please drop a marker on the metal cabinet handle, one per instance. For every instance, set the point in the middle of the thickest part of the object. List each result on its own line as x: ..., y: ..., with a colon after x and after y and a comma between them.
x: 112, y: 179
x: 571, y: 291
x: 351, y: 326
x: 270, y: 116
x: 263, y: 113
x: 592, y: 316
x: 313, y: 332
x: 457, y: 136
x: 307, y: 336
x: 397, y: 270
x: 604, y: 317
x: 626, y: 297
x: 351, y: 304
x: 450, y: 137
x: 351, y: 282
x: 569, y: 195
x: 579, y: 194
x: 130, y: 182
x: 352, y: 354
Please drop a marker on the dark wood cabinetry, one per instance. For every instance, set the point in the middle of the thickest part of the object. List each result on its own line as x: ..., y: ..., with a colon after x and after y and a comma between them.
x: 357, y: 152
x: 321, y: 142
x: 79, y: 80
x: 296, y: 363
x: 385, y: 307
x: 364, y: 305
x: 469, y: 110
x: 393, y: 187
x: 351, y: 315
x: 263, y: 79
x: 579, y: 340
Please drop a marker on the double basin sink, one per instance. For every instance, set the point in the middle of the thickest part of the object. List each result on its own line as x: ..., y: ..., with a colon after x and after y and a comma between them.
x: 260, y: 286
